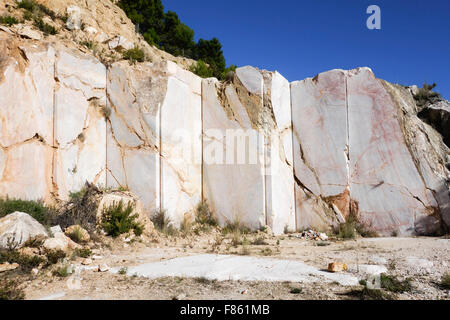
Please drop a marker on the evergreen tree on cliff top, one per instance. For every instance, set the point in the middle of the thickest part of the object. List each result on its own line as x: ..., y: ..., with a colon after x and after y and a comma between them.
x: 166, y: 31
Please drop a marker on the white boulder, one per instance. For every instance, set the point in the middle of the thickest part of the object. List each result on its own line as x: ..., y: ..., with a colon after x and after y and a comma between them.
x: 74, y: 18
x: 19, y: 227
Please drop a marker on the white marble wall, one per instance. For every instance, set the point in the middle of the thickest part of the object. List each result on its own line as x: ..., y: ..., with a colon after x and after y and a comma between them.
x: 233, y: 186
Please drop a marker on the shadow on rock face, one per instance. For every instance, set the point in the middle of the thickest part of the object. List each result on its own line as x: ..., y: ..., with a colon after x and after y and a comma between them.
x: 437, y: 223
x: 438, y: 116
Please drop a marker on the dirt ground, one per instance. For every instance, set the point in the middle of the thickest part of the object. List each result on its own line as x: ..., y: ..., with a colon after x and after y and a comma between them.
x: 423, y: 260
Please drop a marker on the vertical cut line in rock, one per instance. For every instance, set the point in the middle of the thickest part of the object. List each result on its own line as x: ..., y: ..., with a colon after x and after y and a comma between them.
x: 264, y: 151
x: 348, y: 139
x: 293, y: 155
x: 160, y: 113
x: 106, y: 128
x: 202, y: 143
x: 54, y: 183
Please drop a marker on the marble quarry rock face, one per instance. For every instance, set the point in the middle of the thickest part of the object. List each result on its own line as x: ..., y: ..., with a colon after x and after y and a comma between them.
x: 259, y: 150
x: 320, y: 147
x: 154, y: 136
x: 233, y: 150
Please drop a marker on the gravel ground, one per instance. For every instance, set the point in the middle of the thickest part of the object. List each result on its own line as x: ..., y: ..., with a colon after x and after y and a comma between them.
x: 422, y: 260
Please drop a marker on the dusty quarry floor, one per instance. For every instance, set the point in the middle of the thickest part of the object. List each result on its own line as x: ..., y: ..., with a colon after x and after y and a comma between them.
x: 423, y: 260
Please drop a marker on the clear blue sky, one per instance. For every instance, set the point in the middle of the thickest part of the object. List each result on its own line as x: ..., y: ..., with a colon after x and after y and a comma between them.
x: 302, y: 38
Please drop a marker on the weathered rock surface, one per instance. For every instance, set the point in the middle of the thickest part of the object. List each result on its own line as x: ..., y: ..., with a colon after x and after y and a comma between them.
x: 233, y: 179
x: 320, y: 144
x: 73, y: 18
x: 79, y: 125
x: 8, y: 266
x: 438, y: 116
x: 279, y: 161
x: 60, y: 241
x: 371, y: 172
x: 17, y: 228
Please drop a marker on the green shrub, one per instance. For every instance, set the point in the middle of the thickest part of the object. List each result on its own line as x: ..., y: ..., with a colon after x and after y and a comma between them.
x: 77, y: 194
x: 9, y: 290
x: 228, y: 73
x: 8, y: 20
x: 369, y: 294
x: 36, y: 8
x: 296, y: 290
x: 426, y: 95
x: 204, y: 215
x: 54, y: 256
x: 80, y: 210
x: 201, y: 69
x: 82, y: 252
x: 352, y: 227
x: 118, y: 220
x: 259, y: 242
x: 134, y: 55
x: 392, y: 284
x: 347, y: 230
x: 36, y: 209
x: 232, y: 227
x: 26, y: 262
x: 76, y: 235
x: 88, y: 44
x: 123, y: 270
x: 62, y: 272
x: 162, y: 223
x: 445, y: 281
x: 267, y: 252
x: 44, y: 27
x: 27, y: 15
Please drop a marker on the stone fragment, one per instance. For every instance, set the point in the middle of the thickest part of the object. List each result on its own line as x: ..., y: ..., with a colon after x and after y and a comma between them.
x: 74, y: 18
x: 103, y: 268
x: 337, y: 267
x: 28, y: 32
x: 6, y: 29
x: 323, y: 236
x: 55, y: 229
x: 8, y: 266
x: 60, y: 242
x: 17, y: 228
x: 120, y: 43
x: 371, y: 269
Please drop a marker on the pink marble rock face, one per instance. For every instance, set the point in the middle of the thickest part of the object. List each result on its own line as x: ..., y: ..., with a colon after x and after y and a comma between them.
x: 350, y: 151
x: 384, y: 180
